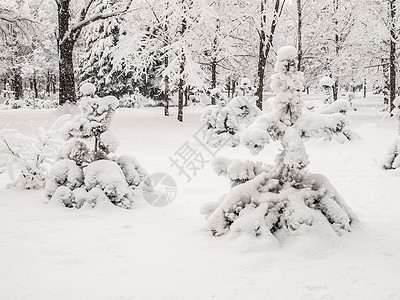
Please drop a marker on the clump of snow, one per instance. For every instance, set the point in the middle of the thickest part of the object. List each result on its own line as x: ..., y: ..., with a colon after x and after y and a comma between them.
x: 286, y: 53
x: 326, y: 81
x: 108, y: 176
x: 88, y: 89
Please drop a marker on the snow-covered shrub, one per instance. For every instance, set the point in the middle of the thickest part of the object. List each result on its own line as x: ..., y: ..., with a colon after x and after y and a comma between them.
x: 132, y: 100
x: 392, y: 159
x: 245, y: 88
x: 326, y: 83
x: 29, y: 156
x: 224, y: 121
x: 87, y: 171
x: 273, y: 201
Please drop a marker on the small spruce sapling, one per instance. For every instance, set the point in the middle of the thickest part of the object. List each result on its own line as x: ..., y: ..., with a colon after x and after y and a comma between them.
x: 271, y: 201
x: 87, y: 170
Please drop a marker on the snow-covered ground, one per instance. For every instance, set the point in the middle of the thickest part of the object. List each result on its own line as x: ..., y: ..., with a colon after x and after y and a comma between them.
x: 51, y: 252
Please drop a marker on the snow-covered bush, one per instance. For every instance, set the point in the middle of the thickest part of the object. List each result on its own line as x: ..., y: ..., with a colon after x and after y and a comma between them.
x: 30, y: 103
x: 392, y: 159
x: 273, y: 201
x: 334, y: 126
x: 224, y: 121
x: 131, y: 101
x: 326, y: 83
x: 29, y: 156
x: 245, y: 88
x: 87, y: 171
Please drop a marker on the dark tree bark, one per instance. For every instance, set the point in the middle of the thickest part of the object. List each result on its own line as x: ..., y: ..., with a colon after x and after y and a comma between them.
x: 265, y: 46
x: 299, y: 36
x: 386, y: 81
x: 17, y: 84
x: 337, y: 47
x: 213, y: 77
x: 392, y: 56
x: 181, y: 70
x: 65, y: 49
x: 214, y: 62
x: 34, y: 84
x: 166, y: 90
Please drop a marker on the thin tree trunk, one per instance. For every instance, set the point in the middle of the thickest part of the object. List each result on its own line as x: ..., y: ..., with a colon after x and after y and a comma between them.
x: 180, y: 94
x: 337, y: 48
x: 365, y: 87
x: 213, y: 77
x: 386, y: 81
x: 262, y: 59
x: 392, y: 57
x: 48, y: 82
x: 35, y: 87
x: 166, y: 90
x: 181, y: 70
x: 17, y: 84
x: 228, y: 86
x: 299, y: 36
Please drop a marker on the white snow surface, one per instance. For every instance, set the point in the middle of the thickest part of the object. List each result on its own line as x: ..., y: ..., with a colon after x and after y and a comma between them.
x: 51, y: 252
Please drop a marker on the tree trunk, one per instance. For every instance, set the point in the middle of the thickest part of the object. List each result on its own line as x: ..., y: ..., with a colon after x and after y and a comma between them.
x: 262, y: 60
x: 48, y: 82
x: 365, y: 87
x: 67, y: 79
x: 386, y: 81
x: 299, y: 36
x: 65, y: 47
x: 17, y: 84
x: 35, y: 87
x: 180, y: 94
x: 187, y: 96
x: 392, y: 56
x: 213, y: 77
x: 166, y: 90
x: 182, y: 69
x: 265, y: 47
x: 337, y: 48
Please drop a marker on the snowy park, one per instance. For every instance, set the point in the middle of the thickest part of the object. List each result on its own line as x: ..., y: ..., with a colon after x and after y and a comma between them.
x: 199, y: 150
x: 167, y: 252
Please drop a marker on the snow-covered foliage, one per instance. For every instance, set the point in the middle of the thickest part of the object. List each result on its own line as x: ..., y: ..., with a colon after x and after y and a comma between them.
x: 245, y: 87
x: 224, y: 122
x: 392, y: 159
x: 133, y: 100
x: 29, y: 156
x: 97, y: 64
x: 273, y: 201
x: 329, y: 119
x: 326, y: 84
x: 87, y: 171
x: 30, y: 103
